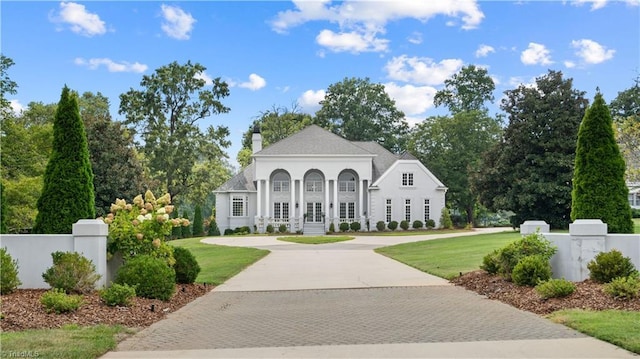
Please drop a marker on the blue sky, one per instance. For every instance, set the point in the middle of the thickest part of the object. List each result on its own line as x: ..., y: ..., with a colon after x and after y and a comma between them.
x: 279, y: 53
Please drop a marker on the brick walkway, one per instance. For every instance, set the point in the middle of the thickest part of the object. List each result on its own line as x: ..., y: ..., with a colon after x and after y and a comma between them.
x: 341, y: 316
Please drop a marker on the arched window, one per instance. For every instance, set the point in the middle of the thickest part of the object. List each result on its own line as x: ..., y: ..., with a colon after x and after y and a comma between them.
x: 281, y: 182
x: 314, y: 183
x: 346, y: 182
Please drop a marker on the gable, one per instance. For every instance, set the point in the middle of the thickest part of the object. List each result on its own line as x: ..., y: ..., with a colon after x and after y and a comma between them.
x: 392, y: 176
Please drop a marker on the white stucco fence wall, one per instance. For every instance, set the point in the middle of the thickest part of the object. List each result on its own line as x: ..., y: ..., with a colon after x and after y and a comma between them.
x: 33, y: 251
x: 586, y: 238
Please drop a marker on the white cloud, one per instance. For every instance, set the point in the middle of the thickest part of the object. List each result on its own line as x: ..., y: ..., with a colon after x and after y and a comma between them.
x: 16, y: 106
x: 412, y: 100
x: 360, y: 21
x: 351, y: 41
x: 423, y: 71
x: 79, y: 20
x: 484, y: 50
x: 208, y: 80
x: 415, y: 38
x: 595, y: 4
x: 255, y: 83
x: 310, y: 100
x: 111, y: 65
x: 591, y: 52
x: 536, y: 54
x: 177, y: 23
x: 569, y: 64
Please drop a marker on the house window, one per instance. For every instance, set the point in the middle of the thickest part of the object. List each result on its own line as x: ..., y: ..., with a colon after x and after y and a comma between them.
x: 281, y: 210
x: 388, y: 210
x: 427, y: 210
x: 281, y: 186
x: 346, y: 183
x: 347, y: 210
x: 238, y: 206
x: 407, y: 210
x: 314, y: 186
x: 407, y: 179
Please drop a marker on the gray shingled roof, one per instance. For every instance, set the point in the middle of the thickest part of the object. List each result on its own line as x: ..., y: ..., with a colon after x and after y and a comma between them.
x: 312, y: 140
x: 383, y: 159
x: 243, y: 181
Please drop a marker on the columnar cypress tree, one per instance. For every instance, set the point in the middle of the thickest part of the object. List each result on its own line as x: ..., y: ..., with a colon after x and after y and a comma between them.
x: 186, y: 230
x: 599, y: 188
x: 67, y: 194
x: 3, y: 211
x: 198, y: 226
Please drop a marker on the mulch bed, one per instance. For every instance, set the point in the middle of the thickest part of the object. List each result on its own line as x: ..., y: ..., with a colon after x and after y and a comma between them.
x: 588, y: 295
x: 22, y: 310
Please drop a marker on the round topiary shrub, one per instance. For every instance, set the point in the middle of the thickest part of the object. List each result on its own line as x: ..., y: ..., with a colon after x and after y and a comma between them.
x: 344, y: 226
x: 118, y: 295
x: 531, y: 270
x: 609, y: 265
x: 380, y: 226
x: 282, y: 228
x: 186, y: 267
x: 228, y: 232
x: 392, y: 225
x: 151, y: 277
x: 417, y: 224
x: 491, y: 262
x: 404, y: 225
x: 355, y: 226
x: 8, y: 273
x: 332, y: 227
x: 270, y: 228
x: 430, y: 224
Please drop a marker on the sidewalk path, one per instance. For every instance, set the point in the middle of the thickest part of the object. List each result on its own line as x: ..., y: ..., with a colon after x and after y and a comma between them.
x: 342, y: 300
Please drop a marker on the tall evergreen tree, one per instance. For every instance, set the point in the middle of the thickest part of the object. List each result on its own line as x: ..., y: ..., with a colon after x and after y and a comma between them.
x: 186, y: 230
x: 3, y: 211
x: 599, y: 189
x: 198, y: 222
x: 67, y: 194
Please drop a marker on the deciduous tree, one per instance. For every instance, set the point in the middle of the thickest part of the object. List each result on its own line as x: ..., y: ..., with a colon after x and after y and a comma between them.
x: 67, y: 194
x: 166, y: 114
x: 359, y: 110
x: 625, y: 109
x: 467, y: 90
x: 599, y: 189
x: 529, y: 171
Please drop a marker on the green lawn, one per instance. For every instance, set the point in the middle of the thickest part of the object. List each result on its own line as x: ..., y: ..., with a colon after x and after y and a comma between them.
x: 636, y: 227
x: 315, y: 239
x: 621, y: 328
x: 412, y: 232
x: 448, y: 257
x: 219, y: 263
x: 71, y: 341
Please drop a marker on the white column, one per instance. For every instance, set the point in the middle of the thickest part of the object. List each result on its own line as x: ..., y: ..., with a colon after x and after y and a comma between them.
x: 327, y: 208
x: 360, y: 190
x: 292, y: 205
x: 259, y: 197
x: 301, y: 199
x: 267, y: 206
x: 336, y: 205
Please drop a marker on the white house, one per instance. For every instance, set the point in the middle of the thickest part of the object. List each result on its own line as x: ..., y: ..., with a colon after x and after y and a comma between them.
x: 314, y: 178
x: 634, y: 194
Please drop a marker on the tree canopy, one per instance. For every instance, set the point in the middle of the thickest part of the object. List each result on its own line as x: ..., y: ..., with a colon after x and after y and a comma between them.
x: 529, y: 171
x: 165, y: 114
x: 359, y: 110
x: 599, y: 189
x: 625, y: 109
x: 467, y: 90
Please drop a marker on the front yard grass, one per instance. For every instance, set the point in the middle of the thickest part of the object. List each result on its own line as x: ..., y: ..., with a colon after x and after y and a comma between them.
x: 315, y: 239
x: 72, y: 341
x: 448, y: 257
x: 618, y: 327
x: 219, y: 263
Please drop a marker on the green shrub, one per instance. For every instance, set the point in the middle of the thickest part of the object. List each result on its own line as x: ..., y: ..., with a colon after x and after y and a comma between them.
x: 555, y: 288
x: 445, y: 219
x: 198, y: 222
x: 332, y: 227
x: 417, y: 224
x: 118, y: 294
x: 344, y: 226
x: 491, y: 262
x: 213, y: 229
x: 71, y: 272
x: 9, y: 280
x: 270, y: 228
x: 608, y: 265
x: 229, y: 231
x: 186, y: 230
x: 355, y: 226
x: 392, y: 225
x: 529, y: 245
x: 430, y: 223
x: 623, y: 287
x: 151, y: 277
x: 404, y: 225
x: 531, y: 270
x: 186, y: 267
x: 282, y: 228
x: 242, y: 230
x: 56, y: 300
x: 380, y: 226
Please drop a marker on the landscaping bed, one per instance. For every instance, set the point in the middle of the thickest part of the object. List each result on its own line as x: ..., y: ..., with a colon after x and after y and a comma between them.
x: 588, y: 295
x: 22, y: 310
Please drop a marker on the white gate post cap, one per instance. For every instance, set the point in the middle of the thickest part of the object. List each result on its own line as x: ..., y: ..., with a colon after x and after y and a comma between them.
x: 588, y: 227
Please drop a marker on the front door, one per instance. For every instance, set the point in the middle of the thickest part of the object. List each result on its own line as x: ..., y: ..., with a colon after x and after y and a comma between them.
x: 314, y: 212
